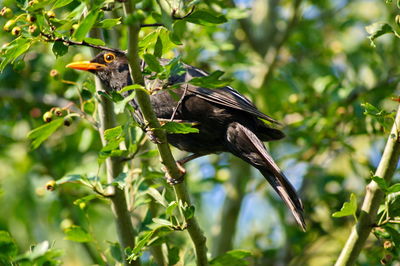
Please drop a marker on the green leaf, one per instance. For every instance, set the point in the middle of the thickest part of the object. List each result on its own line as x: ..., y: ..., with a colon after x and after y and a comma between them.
x: 378, y: 29
x: 93, y: 41
x: 162, y: 222
x: 381, y: 182
x: 383, y: 117
x: 16, y: 48
x: 188, y: 212
x: 132, y: 87
x: 120, y: 106
x: 233, y: 258
x: 152, y: 63
x: 205, y: 18
x: 109, y: 23
x: 394, y: 188
x: 8, y: 247
x: 211, y: 81
x: 179, y: 128
x: 157, y: 196
x: 77, y: 234
x: 40, y: 134
x: 158, y: 48
x: 85, y: 200
x: 61, y: 3
x: 70, y: 179
x: 173, y: 255
x: 86, y: 25
x: 59, y: 49
x: 115, y: 250
x: 171, y: 207
x: 348, y: 208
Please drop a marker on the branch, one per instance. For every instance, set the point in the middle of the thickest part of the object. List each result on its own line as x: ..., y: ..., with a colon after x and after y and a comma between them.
x: 271, y: 58
x: 167, y: 159
x: 125, y: 230
x: 373, y: 198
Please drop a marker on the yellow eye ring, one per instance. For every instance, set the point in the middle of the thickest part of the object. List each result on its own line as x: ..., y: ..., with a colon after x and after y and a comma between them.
x: 109, y: 57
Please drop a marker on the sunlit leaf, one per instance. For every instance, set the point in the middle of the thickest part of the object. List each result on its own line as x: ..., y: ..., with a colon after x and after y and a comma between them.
x: 61, y: 3
x: 348, y: 208
x: 179, y: 128
x: 152, y: 63
x: 109, y: 23
x: 77, y: 234
x: 205, y: 18
x: 93, y: 41
x: 40, y: 134
x: 232, y: 257
x: 85, y: 25
x: 378, y: 29
x: 13, y: 50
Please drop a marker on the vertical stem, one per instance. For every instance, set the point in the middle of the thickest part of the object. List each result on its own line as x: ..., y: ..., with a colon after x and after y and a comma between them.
x: 373, y: 198
x: 126, y: 233
x: 167, y: 159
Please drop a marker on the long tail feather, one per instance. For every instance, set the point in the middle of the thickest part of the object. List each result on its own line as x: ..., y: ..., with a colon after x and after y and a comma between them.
x: 242, y: 142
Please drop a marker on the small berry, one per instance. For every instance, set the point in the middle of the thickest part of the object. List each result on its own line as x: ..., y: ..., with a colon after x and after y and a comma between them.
x: 9, y: 24
x: 54, y: 74
x: 388, y: 244
x: 6, y: 12
x: 67, y: 121
x: 30, y: 18
x: 50, y: 14
x: 48, y: 116
x: 58, y: 111
x: 51, y: 185
x: 32, y: 28
x: 33, y: 2
x: 16, y: 31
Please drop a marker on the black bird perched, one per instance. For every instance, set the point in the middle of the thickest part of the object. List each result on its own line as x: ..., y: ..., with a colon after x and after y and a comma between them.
x: 227, y: 121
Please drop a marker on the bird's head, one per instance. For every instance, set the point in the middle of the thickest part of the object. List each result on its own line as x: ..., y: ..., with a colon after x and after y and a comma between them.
x: 111, y: 67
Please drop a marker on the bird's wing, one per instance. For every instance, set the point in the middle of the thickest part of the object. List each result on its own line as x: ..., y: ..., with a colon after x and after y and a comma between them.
x: 226, y: 96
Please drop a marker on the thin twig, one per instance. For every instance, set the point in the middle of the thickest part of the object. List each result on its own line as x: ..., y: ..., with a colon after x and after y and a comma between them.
x: 179, y: 103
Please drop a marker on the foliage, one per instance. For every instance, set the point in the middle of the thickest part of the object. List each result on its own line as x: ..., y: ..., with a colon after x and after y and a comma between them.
x: 313, y: 68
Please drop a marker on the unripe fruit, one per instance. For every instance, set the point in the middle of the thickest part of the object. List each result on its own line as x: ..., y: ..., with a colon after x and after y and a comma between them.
x: 388, y: 244
x: 9, y: 24
x: 33, y: 29
x: 50, y: 14
x: 30, y: 18
x: 67, y: 121
x: 54, y: 74
x: 16, y: 31
x: 6, y: 12
x: 47, y: 117
x: 58, y: 111
x: 397, y: 20
x: 33, y: 2
x: 51, y: 185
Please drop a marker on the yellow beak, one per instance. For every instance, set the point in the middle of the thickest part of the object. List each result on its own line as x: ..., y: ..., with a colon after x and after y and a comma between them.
x: 85, y: 65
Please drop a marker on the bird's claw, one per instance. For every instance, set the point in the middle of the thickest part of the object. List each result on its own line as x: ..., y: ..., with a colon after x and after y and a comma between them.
x: 153, y: 138
x: 174, y: 181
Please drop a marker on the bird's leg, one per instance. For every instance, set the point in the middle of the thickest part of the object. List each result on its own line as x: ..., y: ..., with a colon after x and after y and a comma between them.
x: 179, y: 103
x: 180, y: 163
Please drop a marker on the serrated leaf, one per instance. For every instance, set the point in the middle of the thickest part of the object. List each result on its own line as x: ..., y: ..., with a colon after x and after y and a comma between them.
x: 348, y: 208
x: 152, y: 63
x: 61, y: 3
x: 77, y: 234
x: 13, y: 50
x: 179, y: 128
x: 93, y: 41
x: 40, y: 134
x: 109, y: 23
x: 232, y: 257
x: 59, y: 48
x: 205, y: 18
x: 85, y: 25
x: 378, y: 29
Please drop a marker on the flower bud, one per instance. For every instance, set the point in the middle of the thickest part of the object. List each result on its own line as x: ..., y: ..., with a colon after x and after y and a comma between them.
x: 30, y: 18
x: 6, y: 12
x: 50, y: 14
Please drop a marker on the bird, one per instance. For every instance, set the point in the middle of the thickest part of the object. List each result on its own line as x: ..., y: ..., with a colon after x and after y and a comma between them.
x: 226, y: 120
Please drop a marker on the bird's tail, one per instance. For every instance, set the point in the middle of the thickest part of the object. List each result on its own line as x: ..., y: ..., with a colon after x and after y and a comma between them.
x: 242, y: 142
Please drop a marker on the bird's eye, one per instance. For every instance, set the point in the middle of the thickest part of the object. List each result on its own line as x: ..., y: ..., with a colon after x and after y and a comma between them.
x: 109, y: 57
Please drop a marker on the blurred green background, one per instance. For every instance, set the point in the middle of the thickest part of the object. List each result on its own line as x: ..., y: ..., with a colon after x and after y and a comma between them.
x: 308, y: 64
